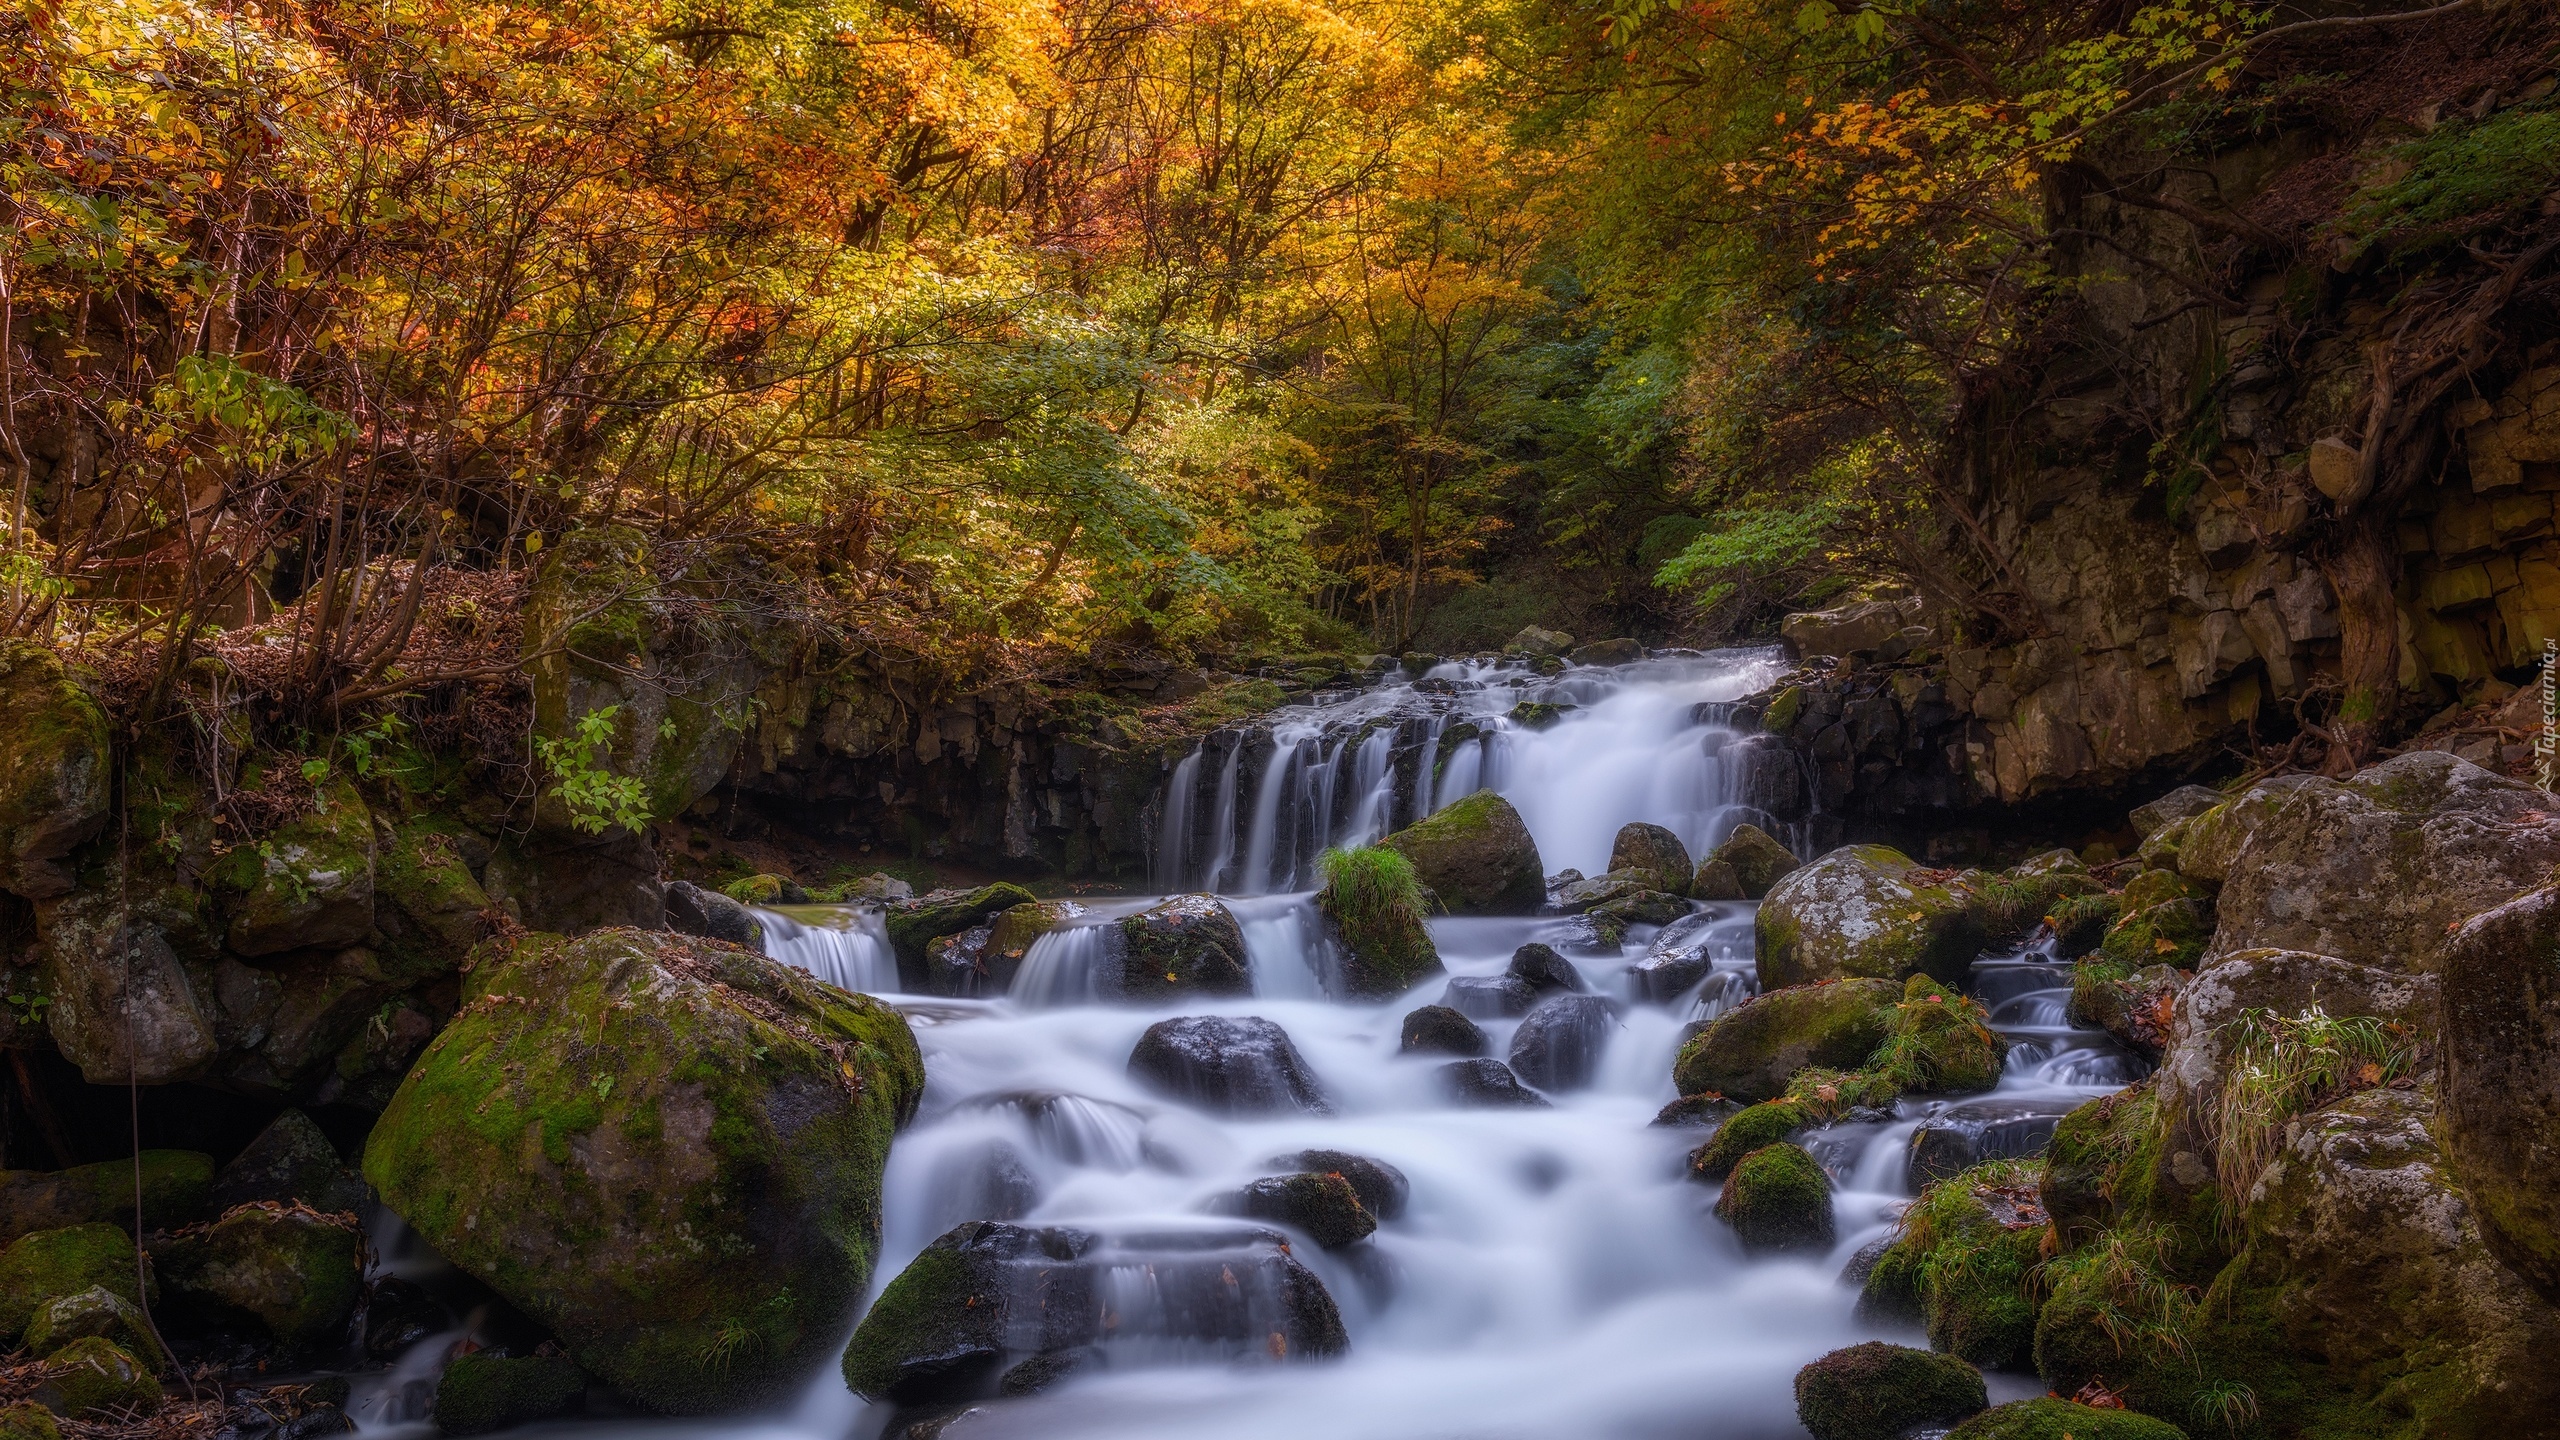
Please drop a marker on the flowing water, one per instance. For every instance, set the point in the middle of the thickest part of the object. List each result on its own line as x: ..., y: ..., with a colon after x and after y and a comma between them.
x: 1554, y: 1275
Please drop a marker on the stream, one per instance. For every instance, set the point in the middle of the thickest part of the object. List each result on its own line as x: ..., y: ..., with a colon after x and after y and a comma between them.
x: 1553, y: 1274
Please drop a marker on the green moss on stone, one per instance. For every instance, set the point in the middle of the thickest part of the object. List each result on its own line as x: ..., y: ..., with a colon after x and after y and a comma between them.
x: 1964, y: 1258
x: 667, y: 1150
x: 1476, y: 856
x: 295, y: 1271
x: 175, y: 1186
x: 481, y: 1392
x: 422, y: 876
x: 94, y: 1311
x: 1940, y: 1043
x: 2053, y: 1419
x: 1754, y: 1127
x: 1778, y: 1201
x: 919, y: 923
x: 50, y: 1264
x: 1749, y: 1053
x: 1878, y: 1391
x: 96, y: 1378
x: 1378, y: 906
x: 27, y: 1420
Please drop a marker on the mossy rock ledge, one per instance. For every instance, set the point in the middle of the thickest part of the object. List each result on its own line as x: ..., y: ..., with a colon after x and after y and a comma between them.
x: 1749, y: 1053
x: 1865, y: 912
x: 666, y: 1149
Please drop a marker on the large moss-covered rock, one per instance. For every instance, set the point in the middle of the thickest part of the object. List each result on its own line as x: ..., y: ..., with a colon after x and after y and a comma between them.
x: 50, y: 1264
x: 96, y: 1379
x: 1941, y: 1043
x: 2376, y: 869
x: 2501, y: 1079
x: 2051, y: 1418
x: 1757, y: 859
x: 297, y: 1272
x: 989, y: 1296
x: 1963, y: 1262
x: 1865, y: 912
x: 307, y: 885
x: 481, y: 1392
x: 668, y: 1150
x: 428, y: 902
x: 54, y: 747
x: 1476, y: 856
x: 1877, y: 1391
x: 1374, y: 901
x: 95, y: 1311
x: 1188, y: 945
x: 176, y: 1185
x: 1750, y: 1052
x: 1654, y: 853
x: 1778, y: 1201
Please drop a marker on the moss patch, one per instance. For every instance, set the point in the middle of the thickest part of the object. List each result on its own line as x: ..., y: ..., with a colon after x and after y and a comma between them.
x: 1778, y: 1201
x: 2052, y: 1419
x: 1377, y: 905
x: 175, y: 1187
x: 481, y: 1392
x: 50, y: 1264
x: 1963, y: 1260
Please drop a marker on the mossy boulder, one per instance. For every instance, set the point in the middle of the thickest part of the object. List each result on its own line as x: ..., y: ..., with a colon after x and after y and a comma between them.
x: 96, y: 1378
x: 1940, y: 1042
x: 481, y: 1392
x: 1758, y: 860
x: 297, y: 1272
x: 2050, y: 1418
x: 1877, y: 1391
x: 1325, y: 1206
x: 290, y: 1161
x: 54, y: 784
x: 2501, y: 1082
x: 27, y: 1420
x: 1715, y: 880
x: 1382, y: 1188
x: 1011, y: 935
x: 1374, y: 900
x: 2096, y: 1163
x: 1697, y: 1111
x: 1778, y: 1201
x: 1963, y: 1262
x: 50, y: 1264
x: 1654, y: 853
x: 94, y: 1311
x: 1476, y: 856
x: 176, y: 1185
x: 667, y: 1150
x: 914, y: 924
x: 307, y: 885
x: 1865, y: 912
x: 427, y: 900
x: 988, y: 1296
x: 1748, y: 1129
x: 2377, y: 869
x: 764, y: 889
x: 1749, y: 1053
x: 1188, y: 945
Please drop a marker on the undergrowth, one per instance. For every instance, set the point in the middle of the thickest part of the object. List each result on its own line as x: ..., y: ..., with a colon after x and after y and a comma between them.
x: 2285, y: 1065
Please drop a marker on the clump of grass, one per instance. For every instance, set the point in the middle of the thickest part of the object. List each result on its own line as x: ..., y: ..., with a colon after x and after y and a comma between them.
x: 2080, y: 921
x: 1379, y: 904
x: 2282, y: 1066
x: 2124, y: 1281
x: 1963, y: 1261
x: 1941, y: 1041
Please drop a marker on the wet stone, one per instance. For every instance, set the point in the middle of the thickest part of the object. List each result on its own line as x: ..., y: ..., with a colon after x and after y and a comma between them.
x: 1544, y: 971
x: 1242, y: 1065
x: 1440, y: 1030
x: 1489, y: 997
x: 1559, y: 1044
x: 1381, y: 1186
x: 1964, y: 1136
x: 1487, y: 1085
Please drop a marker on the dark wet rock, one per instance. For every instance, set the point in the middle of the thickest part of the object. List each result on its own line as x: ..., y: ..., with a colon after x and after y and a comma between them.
x: 295, y: 1271
x: 1607, y: 652
x: 914, y: 924
x: 399, y: 1314
x: 988, y: 1181
x: 289, y: 1162
x: 1750, y: 1052
x: 986, y: 1297
x: 1380, y: 1186
x: 1716, y: 880
x: 1676, y: 961
x: 1574, y: 893
x: 1043, y: 1372
x: 1441, y: 1030
x: 1778, y: 1201
x: 1487, y: 1085
x: 2051, y: 1418
x: 660, y: 1148
x: 1757, y: 859
x: 1653, y: 853
x: 1477, y: 856
x: 2184, y: 803
x: 2501, y: 1085
x: 1325, y: 1206
x: 956, y: 965
x: 1559, y: 1043
x: 1544, y: 971
x: 1697, y: 1110
x: 1188, y: 945
x: 1644, y: 907
x: 1963, y: 1136
x: 481, y: 1392
x: 1242, y: 1065
x: 1489, y: 997
x: 711, y: 915
x: 177, y: 1185
x: 1877, y: 1391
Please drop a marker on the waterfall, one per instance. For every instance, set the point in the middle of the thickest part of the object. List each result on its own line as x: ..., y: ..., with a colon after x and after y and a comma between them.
x: 1222, y: 823
x: 1263, y: 832
x: 1373, y: 780
x: 846, y: 946
x: 1173, y: 850
x: 1071, y: 965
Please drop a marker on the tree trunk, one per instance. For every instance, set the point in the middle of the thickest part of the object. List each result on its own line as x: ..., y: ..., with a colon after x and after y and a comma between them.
x: 2362, y: 569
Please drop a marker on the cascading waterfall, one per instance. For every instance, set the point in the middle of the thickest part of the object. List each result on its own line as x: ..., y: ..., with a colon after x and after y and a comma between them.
x: 1553, y: 1272
x: 846, y: 946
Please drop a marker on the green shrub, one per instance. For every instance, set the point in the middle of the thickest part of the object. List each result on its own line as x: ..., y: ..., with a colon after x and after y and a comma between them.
x: 2467, y: 174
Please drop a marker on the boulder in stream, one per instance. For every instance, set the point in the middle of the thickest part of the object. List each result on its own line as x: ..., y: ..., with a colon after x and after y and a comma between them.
x: 296, y: 1272
x: 1878, y: 1391
x: 1559, y: 1043
x: 1188, y: 945
x: 1323, y: 1205
x: 711, y: 915
x: 1544, y: 971
x: 1377, y: 908
x: 1778, y: 1201
x: 1963, y: 1262
x: 1380, y: 1186
x: 1654, y: 853
x: 1865, y: 912
x: 988, y: 1296
x: 914, y: 924
x: 662, y: 1148
x: 1487, y: 1085
x: 1750, y: 1052
x: 1756, y: 859
x: 2053, y: 1418
x: 1489, y: 997
x: 1477, y: 857
x: 1231, y: 1065
x: 1440, y: 1030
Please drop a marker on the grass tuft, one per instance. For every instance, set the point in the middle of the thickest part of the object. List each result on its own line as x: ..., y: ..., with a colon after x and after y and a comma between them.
x: 2283, y: 1066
